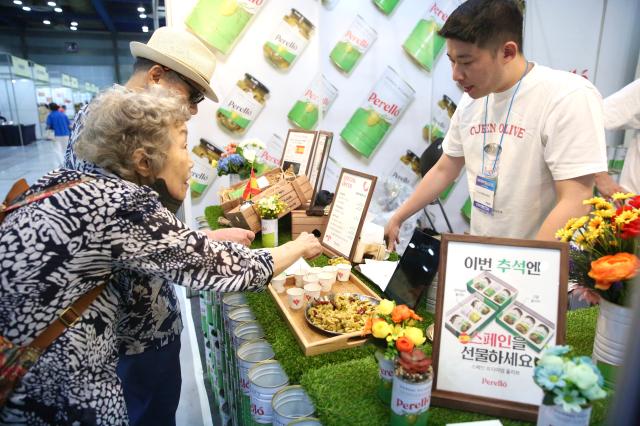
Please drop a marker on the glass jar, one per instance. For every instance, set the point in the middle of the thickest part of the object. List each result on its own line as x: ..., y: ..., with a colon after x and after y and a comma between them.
x: 501, y: 297
x: 288, y: 40
x: 512, y: 316
x: 203, y: 173
x: 480, y: 307
x: 525, y: 325
x: 242, y: 105
x: 539, y: 333
x: 459, y: 323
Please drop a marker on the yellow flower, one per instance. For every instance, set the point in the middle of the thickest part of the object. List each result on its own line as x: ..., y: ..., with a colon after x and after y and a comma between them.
x: 622, y: 196
x: 385, y: 307
x: 579, y: 239
x: 626, y: 217
x: 593, y: 234
x: 596, y: 223
x: 564, y: 235
x: 594, y: 201
x: 605, y: 212
x: 570, y: 223
x: 579, y: 223
x: 381, y: 329
x: 415, y: 335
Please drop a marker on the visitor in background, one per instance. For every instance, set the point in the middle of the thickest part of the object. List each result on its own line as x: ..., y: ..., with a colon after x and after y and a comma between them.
x: 59, y: 123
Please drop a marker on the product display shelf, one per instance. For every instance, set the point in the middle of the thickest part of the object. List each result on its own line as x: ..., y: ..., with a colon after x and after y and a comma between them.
x: 343, y: 384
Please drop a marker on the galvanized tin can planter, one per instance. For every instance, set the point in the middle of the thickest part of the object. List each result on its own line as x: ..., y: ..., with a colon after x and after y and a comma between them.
x: 410, y: 402
x: 265, y: 379
x: 291, y: 403
x: 248, y: 330
x: 306, y: 421
x: 230, y: 301
x: 613, y: 331
x: 554, y: 415
x: 385, y: 372
x: 237, y: 316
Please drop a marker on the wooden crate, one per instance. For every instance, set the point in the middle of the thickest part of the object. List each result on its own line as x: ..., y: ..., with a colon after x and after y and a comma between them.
x: 300, y: 223
x: 313, y: 342
x: 294, y: 193
x: 228, y: 205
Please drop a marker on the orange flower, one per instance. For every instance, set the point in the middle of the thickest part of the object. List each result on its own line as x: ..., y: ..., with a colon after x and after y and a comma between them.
x: 612, y: 268
x: 402, y: 312
x: 369, y: 324
x: 404, y: 344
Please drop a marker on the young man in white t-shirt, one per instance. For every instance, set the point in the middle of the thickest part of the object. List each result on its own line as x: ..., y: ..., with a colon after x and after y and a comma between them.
x: 531, y: 138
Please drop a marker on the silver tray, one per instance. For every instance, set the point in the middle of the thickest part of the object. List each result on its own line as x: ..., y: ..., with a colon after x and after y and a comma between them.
x: 329, y: 299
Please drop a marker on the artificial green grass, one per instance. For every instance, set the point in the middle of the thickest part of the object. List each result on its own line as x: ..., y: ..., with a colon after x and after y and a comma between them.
x: 343, y: 384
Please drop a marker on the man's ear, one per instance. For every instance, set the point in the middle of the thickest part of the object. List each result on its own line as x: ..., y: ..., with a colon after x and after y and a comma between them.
x: 154, y: 74
x: 509, y: 51
x: 141, y: 163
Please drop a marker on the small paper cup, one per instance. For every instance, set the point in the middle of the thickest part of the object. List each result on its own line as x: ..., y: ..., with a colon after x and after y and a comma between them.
x: 331, y: 269
x: 326, y: 281
x: 310, y: 279
x: 299, y: 278
x: 344, y: 272
x: 296, y: 298
x: 311, y: 292
x: 278, y: 283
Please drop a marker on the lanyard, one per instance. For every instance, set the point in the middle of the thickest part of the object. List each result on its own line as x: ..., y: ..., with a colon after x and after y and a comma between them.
x: 506, y: 120
x: 24, y: 200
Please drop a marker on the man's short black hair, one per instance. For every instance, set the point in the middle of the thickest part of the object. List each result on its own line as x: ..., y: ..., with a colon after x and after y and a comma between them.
x: 486, y: 23
x: 142, y: 65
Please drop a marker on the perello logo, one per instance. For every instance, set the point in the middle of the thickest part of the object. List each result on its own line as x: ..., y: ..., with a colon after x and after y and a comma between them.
x: 437, y: 12
x: 251, y: 6
x: 358, y: 41
x: 412, y: 406
x: 391, y: 109
x: 312, y: 96
x: 239, y: 108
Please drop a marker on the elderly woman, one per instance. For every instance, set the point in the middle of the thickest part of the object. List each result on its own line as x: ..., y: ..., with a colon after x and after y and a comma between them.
x: 99, y: 231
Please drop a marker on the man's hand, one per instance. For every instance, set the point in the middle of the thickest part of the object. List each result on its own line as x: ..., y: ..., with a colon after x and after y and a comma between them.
x: 236, y: 235
x: 606, y: 185
x: 309, y: 244
x: 391, y: 233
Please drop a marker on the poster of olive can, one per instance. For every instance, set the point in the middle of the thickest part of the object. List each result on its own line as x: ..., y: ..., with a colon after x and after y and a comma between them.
x: 353, y: 45
x: 500, y: 303
x: 313, y: 104
x: 384, y: 105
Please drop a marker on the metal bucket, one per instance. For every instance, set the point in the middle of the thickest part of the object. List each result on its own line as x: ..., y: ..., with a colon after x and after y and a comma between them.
x: 230, y: 301
x: 265, y: 379
x: 291, y: 403
x: 410, y: 402
x: 237, y: 316
x: 613, y: 332
x: 248, y: 330
x: 249, y: 354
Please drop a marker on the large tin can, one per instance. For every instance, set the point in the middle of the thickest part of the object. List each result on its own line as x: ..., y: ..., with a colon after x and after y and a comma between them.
x: 410, y: 402
x: 554, y: 415
x: 424, y: 44
x: 353, y: 45
x: 291, y: 403
x: 248, y: 330
x: 378, y: 113
x: 386, y: 6
x: 219, y: 23
x: 229, y: 302
x: 236, y: 317
x: 265, y: 379
x: 203, y: 312
x: 313, y: 104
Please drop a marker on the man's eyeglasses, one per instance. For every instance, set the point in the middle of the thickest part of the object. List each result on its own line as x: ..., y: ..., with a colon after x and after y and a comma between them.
x: 195, y: 94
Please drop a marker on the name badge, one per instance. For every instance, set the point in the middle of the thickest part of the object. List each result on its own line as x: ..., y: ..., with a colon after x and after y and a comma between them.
x: 485, y: 192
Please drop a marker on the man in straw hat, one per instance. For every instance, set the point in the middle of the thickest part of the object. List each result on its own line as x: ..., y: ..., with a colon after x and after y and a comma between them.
x: 150, y: 324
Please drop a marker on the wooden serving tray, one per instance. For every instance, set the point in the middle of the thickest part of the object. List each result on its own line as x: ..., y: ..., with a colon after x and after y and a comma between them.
x: 314, y: 342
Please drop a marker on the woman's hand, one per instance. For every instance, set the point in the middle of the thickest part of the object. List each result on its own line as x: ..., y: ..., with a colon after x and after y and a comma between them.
x: 309, y: 244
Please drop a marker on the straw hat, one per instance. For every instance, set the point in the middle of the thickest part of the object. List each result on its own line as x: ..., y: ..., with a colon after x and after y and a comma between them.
x: 183, y: 53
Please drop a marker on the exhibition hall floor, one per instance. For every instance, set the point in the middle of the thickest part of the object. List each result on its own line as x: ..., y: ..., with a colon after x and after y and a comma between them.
x: 33, y: 161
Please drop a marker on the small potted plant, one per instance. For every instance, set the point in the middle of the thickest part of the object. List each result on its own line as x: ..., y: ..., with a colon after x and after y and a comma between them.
x: 570, y: 385
x: 269, y: 208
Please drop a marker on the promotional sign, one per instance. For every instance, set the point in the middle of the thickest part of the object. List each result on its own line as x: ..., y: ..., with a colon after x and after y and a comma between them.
x: 20, y: 67
x: 298, y: 150
x: 500, y: 303
x: 40, y: 73
x: 348, y: 210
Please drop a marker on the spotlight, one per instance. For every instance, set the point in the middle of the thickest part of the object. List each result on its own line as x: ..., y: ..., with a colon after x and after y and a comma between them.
x: 143, y: 16
x: 141, y: 9
x: 51, y: 3
x: 73, y: 28
x: 46, y: 22
x: 145, y: 29
x: 57, y: 9
x: 18, y: 2
x: 26, y: 8
x: 74, y: 24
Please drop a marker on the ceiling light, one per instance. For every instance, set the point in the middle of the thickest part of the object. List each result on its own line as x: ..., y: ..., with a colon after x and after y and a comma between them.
x: 143, y: 16
x: 141, y: 9
x: 57, y: 9
x: 73, y: 28
x: 46, y: 22
x: 74, y: 24
x: 145, y: 29
x: 18, y: 2
x: 26, y: 8
x: 51, y: 3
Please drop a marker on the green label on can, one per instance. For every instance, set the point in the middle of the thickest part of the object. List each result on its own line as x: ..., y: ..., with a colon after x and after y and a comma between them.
x: 364, y: 131
x: 281, y: 51
x: 386, y: 6
x: 345, y: 56
x: 424, y: 44
x: 304, y: 115
x: 317, y: 98
x: 220, y: 22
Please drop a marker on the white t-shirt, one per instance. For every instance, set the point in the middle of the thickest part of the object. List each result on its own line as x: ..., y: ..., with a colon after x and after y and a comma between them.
x: 555, y: 132
x: 622, y: 111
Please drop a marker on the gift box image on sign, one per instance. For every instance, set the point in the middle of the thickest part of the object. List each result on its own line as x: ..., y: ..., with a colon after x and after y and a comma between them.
x: 242, y: 105
x: 378, y: 113
x: 424, y: 44
x: 521, y: 321
x: 219, y: 23
x: 315, y: 100
x: 495, y: 291
x: 353, y: 45
x: 288, y: 40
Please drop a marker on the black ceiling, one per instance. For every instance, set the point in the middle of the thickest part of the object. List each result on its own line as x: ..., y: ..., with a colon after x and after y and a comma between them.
x: 91, y: 15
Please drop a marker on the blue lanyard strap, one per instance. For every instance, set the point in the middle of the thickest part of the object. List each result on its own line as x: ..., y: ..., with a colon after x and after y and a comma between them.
x: 506, y: 120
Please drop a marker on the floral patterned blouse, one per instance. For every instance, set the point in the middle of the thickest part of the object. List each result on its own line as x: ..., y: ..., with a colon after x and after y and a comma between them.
x: 55, y: 250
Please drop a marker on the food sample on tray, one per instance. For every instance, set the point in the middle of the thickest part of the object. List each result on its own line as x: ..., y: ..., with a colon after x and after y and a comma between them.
x: 495, y: 291
x: 522, y: 321
x: 469, y: 316
x: 344, y: 313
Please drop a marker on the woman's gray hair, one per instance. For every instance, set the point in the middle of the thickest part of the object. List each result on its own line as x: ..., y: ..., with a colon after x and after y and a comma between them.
x: 120, y: 121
